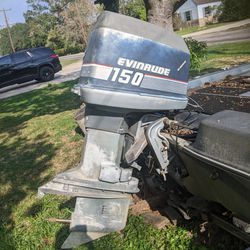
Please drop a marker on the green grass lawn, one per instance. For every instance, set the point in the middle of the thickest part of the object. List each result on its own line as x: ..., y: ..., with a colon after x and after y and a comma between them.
x: 225, y: 55
x: 38, y: 139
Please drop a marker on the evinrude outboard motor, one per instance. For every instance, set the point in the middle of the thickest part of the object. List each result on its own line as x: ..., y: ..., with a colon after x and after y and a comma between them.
x: 130, y: 68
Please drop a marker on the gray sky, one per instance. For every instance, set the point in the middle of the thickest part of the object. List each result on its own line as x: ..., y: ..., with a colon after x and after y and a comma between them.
x: 18, y: 7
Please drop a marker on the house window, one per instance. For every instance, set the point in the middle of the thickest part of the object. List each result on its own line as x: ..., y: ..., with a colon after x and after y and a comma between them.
x: 188, y: 16
x: 207, y: 11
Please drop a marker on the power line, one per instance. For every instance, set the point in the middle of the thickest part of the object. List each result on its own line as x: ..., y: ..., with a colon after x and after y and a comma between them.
x: 8, y: 27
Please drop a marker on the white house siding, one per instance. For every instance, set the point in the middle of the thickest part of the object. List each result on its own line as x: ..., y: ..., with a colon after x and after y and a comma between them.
x: 201, y: 7
x: 189, y: 5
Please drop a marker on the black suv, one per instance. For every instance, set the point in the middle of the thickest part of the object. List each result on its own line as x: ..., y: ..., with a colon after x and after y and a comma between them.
x: 38, y: 63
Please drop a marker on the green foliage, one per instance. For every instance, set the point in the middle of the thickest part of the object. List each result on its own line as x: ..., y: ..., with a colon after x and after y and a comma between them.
x: 232, y: 10
x: 133, y: 8
x: 20, y: 36
x: 198, y: 52
x: 60, y: 24
x: 68, y: 50
x: 110, y: 5
x: 42, y: 22
x: 39, y: 28
x: 38, y: 7
x: 221, y: 56
x: 60, y: 52
x: 54, y: 39
x: 39, y: 21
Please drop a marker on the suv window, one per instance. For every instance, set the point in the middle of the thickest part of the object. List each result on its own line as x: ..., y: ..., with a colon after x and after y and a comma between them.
x: 5, y: 60
x: 39, y: 52
x: 20, y: 57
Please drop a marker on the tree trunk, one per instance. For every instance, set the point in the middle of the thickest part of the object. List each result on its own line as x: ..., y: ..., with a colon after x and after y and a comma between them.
x: 160, y: 12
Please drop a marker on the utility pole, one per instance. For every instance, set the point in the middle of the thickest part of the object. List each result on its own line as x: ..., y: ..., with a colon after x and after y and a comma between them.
x: 8, y: 28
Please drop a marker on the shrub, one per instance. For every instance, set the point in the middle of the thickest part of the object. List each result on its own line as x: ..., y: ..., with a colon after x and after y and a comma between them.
x: 198, y: 52
x: 74, y: 49
x: 60, y: 52
x: 233, y: 10
x: 69, y: 50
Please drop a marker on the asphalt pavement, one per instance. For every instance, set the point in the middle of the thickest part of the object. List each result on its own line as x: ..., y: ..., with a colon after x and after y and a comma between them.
x: 226, y: 36
x: 232, y: 32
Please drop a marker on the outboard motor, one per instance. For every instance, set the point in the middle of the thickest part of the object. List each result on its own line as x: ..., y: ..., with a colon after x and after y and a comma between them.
x: 130, y: 68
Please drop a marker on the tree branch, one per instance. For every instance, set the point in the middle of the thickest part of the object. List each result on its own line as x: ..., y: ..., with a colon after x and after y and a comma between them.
x: 178, y: 4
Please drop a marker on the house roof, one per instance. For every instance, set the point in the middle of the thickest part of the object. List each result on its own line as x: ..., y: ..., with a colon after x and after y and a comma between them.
x: 198, y: 2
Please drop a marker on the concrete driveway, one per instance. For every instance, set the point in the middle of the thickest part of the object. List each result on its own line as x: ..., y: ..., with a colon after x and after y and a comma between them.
x: 70, y: 72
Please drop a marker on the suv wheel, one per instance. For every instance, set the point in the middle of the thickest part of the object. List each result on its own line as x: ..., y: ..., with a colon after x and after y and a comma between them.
x: 46, y: 73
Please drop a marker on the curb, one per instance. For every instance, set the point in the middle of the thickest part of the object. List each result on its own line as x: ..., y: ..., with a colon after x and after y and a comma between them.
x: 217, y: 76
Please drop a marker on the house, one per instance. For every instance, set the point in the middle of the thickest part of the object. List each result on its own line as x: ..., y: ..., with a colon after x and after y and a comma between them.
x: 198, y: 12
